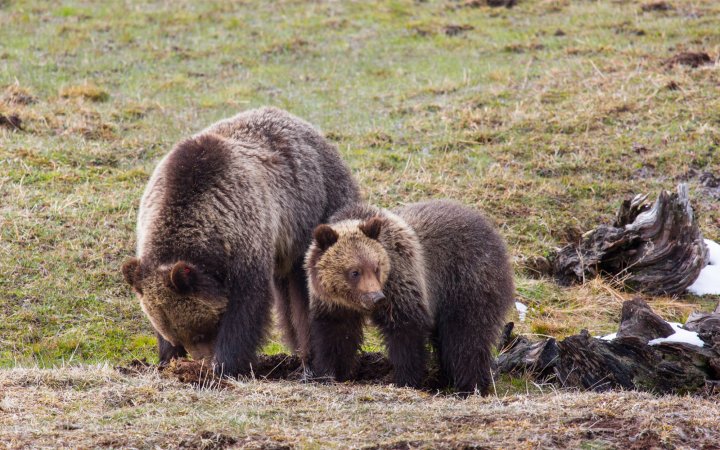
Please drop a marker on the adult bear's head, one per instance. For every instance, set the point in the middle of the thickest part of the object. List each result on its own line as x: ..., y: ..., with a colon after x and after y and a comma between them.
x: 183, y: 304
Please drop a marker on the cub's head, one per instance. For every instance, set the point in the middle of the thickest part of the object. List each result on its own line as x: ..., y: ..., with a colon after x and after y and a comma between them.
x: 347, y: 264
x: 183, y: 304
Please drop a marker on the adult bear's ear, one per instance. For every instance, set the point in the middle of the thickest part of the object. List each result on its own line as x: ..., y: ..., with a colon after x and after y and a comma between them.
x: 325, y: 236
x: 371, y: 228
x: 131, y: 273
x: 183, y: 277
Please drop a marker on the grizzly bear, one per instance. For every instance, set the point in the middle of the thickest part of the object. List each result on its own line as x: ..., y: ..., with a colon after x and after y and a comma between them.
x: 222, y: 230
x: 434, y: 272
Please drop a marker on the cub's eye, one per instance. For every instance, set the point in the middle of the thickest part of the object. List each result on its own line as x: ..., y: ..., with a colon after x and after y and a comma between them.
x: 354, y: 274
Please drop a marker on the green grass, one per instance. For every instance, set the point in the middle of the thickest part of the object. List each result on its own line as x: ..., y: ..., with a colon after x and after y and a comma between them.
x: 546, y: 133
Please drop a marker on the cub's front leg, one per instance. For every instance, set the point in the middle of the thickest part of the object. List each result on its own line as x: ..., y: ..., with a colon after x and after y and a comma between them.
x: 406, y: 334
x: 335, y: 337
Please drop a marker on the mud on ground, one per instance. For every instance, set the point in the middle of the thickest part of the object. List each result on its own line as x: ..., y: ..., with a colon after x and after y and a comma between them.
x: 372, y: 368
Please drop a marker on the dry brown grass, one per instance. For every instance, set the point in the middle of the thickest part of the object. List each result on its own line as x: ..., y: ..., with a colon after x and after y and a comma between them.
x: 97, y: 406
x: 87, y: 91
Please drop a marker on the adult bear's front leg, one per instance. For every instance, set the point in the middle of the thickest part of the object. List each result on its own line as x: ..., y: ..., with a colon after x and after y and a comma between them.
x: 167, y: 351
x: 245, y: 322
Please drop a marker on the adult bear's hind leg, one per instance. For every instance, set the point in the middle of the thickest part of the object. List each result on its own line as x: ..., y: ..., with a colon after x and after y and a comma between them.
x: 300, y: 310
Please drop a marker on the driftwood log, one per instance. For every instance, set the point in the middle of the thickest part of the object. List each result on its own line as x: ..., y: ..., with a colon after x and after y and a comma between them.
x: 628, y: 361
x: 657, y: 249
x: 520, y: 356
x: 590, y: 363
x: 707, y: 326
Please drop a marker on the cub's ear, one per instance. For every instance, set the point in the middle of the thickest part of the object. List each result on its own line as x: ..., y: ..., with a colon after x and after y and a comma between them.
x: 371, y: 228
x: 325, y: 236
x: 183, y: 277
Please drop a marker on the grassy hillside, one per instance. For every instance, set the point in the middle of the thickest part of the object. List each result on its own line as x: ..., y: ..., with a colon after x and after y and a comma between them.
x: 545, y: 115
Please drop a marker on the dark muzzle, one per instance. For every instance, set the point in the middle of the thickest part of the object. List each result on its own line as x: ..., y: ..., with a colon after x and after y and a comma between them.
x: 370, y: 300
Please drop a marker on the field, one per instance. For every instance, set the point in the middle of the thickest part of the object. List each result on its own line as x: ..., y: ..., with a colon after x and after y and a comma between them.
x: 545, y: 115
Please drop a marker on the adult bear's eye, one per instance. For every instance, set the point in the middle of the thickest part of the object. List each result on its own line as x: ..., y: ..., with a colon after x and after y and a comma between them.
x: 354, y: 274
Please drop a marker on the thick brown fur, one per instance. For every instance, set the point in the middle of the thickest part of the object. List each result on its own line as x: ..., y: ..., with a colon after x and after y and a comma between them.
x: 445, y: 278
x: 222, y: 230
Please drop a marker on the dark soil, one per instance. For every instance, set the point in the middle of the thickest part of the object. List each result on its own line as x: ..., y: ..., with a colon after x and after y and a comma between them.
x: 372, y: 368
x: 11, y: 121
x: 691, y: 59
x: 196, y: 373
x: 16, y: 97
x: 657, y: 6
x: 454, y: 30
x: 208, y: 440
x: 498, y: 3
x: 491, y: 3
x: 135, y: 367
x: 709, y: 182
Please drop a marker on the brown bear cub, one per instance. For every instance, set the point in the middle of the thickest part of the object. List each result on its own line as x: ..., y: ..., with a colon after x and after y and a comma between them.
x: 435, y: 271
x: 222, y: 230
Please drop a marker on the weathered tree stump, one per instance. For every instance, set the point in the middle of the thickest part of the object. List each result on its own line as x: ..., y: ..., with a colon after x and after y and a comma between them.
x: 707, y: 326
x: 521, y: 357
x: 628, y: 361
x: 657, y: 249
x: 638, y: 320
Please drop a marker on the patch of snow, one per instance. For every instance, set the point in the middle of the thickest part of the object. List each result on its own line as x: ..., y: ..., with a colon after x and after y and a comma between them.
x: 681, y: 335
x: 708, y: 281
x: 713, y: 252
x: 522, y: 310
x: 609, y: 337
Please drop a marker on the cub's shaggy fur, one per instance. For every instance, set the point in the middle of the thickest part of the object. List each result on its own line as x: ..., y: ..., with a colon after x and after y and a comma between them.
x: 433, y: 270
x: 223, y: 226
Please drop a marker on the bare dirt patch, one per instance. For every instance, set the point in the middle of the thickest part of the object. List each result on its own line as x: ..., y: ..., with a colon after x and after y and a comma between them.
x: 11, y: 121
x: 372, y: 368
x: 15, y: 95
x: 491, y: 3
x: 708, y: 181
x: 690, y: 59
x: 455, y: 30
x: 657, y: 6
